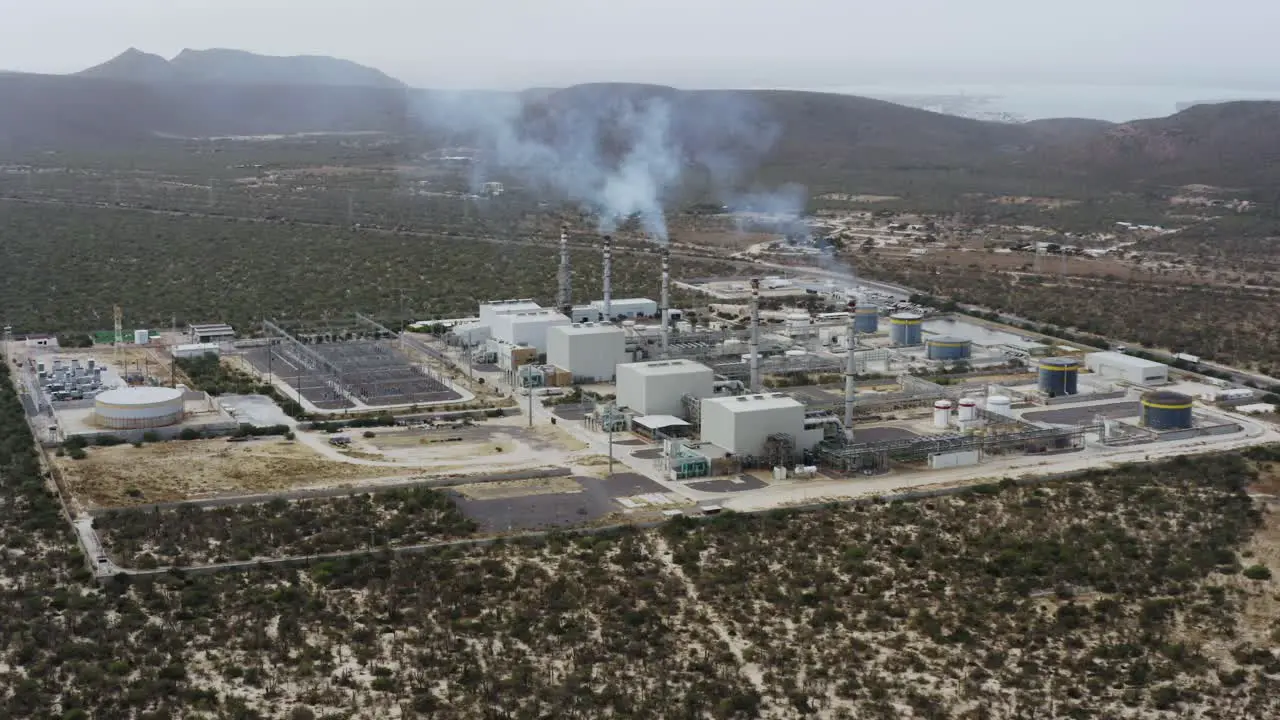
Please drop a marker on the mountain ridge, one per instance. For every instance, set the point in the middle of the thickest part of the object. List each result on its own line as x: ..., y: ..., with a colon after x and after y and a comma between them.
x: 239, y: 67
x: 824, y: 140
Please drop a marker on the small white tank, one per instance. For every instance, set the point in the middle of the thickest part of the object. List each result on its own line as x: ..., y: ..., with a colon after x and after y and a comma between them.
x: 968, y: 409
x: 141, y: 337
x: 999, y: 404
x: 942, y: 414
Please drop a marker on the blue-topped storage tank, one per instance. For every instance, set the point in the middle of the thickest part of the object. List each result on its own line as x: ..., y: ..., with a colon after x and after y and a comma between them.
x: 947, y: 347
x: 1059, y: 376
x: 867, y: 319
x: 906, y: 328
x: 1166, y: 410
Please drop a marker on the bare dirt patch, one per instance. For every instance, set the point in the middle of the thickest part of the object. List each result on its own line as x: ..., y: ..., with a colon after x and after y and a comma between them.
x: 519, y: 488
x: 847, y: 197
x: 174, y: 471
x: 1044, y: 202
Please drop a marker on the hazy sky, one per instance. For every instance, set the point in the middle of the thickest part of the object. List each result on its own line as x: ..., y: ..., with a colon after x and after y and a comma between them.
x: 691, y: 43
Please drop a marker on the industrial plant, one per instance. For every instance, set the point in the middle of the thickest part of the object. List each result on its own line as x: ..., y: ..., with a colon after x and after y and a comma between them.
x: 768, y: 385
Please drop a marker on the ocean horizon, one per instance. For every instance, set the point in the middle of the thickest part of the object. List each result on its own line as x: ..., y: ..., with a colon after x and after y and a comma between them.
x: 1113, y: 103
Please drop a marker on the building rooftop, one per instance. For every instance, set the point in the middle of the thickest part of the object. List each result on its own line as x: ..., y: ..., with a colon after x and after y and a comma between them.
x: 508, y: 306
x: 1115, y: 358
x: 749, y: 403
x: 588, y: 329
x: 659, y: 422
x: 206, y: 328
x: 666, y: 367
x: 616, y: 301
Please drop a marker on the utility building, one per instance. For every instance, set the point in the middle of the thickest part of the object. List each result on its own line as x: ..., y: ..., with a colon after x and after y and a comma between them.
x: 201, y: 334
x: 527, y: 328
x: 590, y: 352
x: 1118, y: 366
x: 742, y: 424
x: 658, y: 388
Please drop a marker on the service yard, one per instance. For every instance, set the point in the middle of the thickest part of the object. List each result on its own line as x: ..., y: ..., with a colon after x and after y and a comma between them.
x: 124, y: 475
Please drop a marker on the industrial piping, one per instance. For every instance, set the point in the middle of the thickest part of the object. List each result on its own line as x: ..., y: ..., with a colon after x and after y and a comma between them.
x: 566, y: 298
x: 850, y: 368
x: 608, y: 278
x: 755, y: 335
x: 666, y: 299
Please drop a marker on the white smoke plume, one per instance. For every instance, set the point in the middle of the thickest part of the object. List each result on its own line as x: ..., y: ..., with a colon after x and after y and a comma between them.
x: 618, y: 154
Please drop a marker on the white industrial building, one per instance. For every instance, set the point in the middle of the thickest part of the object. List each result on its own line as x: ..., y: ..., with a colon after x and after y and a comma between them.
x: 629, y: 307
x: 491, y: 310
x: 211, y: 333
x: 192, y: 350
x: 623, y: 308
x: 527, y: 328
x: 591, y: 352
x: 472, y: 333
x: 658, y: 388
x: 741, y: 424
x: 1118, y: 366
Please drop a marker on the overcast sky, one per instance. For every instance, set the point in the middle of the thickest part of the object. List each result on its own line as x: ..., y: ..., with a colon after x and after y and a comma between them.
x: 689, y: 43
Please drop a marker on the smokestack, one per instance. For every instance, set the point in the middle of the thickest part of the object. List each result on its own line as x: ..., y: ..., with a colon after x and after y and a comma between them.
x: 566, y: 299
x: 754, y: 348
x: 608, y: 278
x: 850, y: 369
x: 666, y: 299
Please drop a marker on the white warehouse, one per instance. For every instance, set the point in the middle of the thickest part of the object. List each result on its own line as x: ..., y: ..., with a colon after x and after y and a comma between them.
x: 657, y: 388
x: 1118, y: 366
x: 622, y: 308
x: 590, y: 352
x: 527, y: 328
x: 742, y: 424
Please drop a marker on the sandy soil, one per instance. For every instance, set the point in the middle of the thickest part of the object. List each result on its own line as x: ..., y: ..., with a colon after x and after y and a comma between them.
x: 519, y: 488
x: 174, y: 471
x: 846, y: 197
x: 1045, y: 202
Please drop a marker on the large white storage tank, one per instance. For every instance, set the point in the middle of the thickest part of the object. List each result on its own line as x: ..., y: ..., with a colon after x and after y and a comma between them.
x: 138, y: 407
x: 141, y: 337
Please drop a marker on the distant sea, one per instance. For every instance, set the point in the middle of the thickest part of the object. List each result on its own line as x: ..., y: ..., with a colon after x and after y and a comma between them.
x: 1116, y: 103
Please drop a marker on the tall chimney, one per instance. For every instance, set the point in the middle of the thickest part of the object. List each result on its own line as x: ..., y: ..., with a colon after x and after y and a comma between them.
x: 608, y: 278
x: 850, y: 368
x: 565, y: 300
x: 754, y: 348
x: 666, y: 300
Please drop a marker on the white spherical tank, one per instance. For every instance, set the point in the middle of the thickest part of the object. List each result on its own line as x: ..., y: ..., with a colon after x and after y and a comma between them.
x: 942, y: 414
x: 968, y: 409
x: 138, y: 407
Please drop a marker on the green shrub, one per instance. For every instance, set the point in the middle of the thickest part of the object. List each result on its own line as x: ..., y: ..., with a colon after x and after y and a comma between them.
x: 1258, y: 572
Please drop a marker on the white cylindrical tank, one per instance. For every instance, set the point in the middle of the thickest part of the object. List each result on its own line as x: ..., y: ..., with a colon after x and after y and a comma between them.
x: 942, y: 414
x: 131, y: 408
x: 141, y: 337
x: 999, y: 404
x: 968, y: 409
